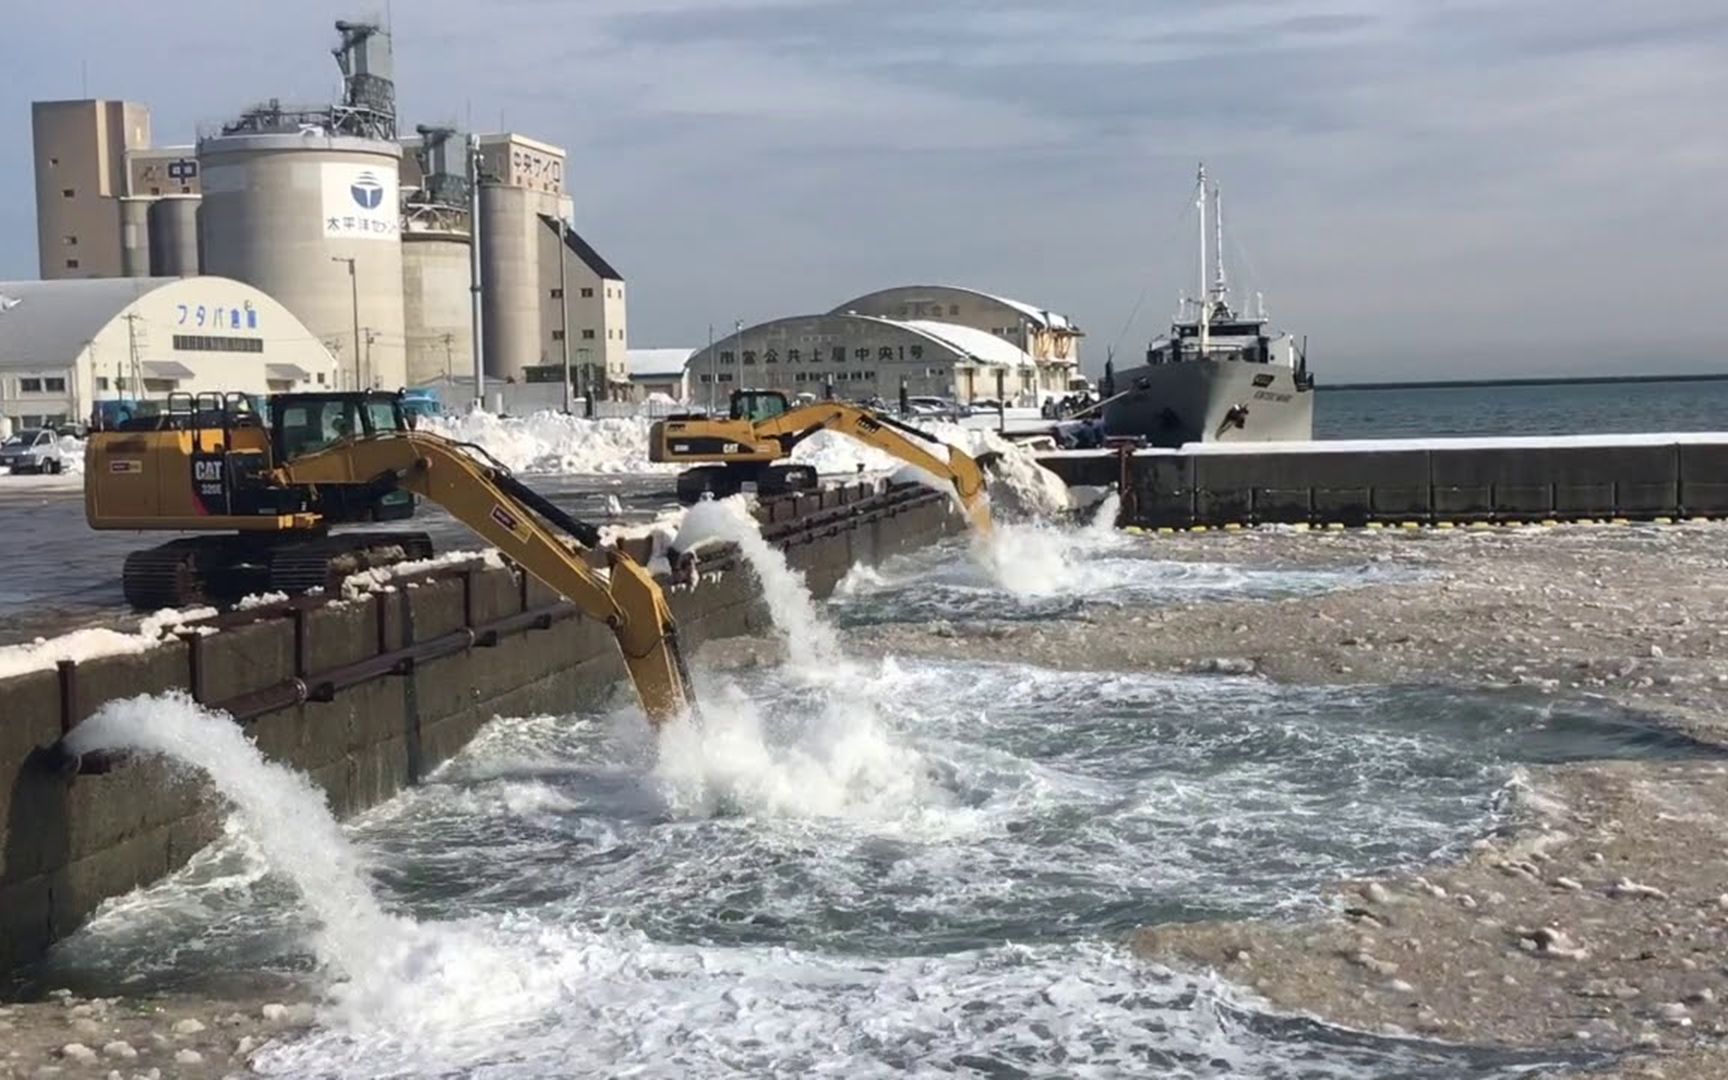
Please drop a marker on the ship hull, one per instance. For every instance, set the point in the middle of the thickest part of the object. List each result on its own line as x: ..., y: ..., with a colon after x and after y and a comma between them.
x: 1211, y: 401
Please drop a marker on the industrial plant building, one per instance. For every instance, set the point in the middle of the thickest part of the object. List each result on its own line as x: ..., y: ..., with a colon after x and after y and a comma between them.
x: 930, y: 340
x: 364, y: 233
x: 68, y: 347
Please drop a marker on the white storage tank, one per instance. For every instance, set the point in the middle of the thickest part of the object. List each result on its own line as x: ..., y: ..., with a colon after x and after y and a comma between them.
x: 134, y: 237
x: 287, y: 213
x: 174, y: 236
x: 512, y: 304
x: 436, y: 305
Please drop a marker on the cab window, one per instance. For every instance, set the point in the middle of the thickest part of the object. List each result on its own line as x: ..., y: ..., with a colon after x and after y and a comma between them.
x: 381, y: 417
x: 310, y: 427
x: 758, y: 407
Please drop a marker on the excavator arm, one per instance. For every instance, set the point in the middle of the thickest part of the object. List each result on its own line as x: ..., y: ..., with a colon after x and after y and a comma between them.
x: 501, y: 510
x: 907, y: 443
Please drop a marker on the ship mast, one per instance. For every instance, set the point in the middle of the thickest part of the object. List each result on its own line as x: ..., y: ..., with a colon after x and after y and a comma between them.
x: 1220, y: 288
x: 1200, y: 298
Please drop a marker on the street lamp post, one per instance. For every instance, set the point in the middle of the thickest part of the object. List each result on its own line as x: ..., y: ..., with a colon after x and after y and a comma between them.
x: 564, y: 311
x: 354, y: 295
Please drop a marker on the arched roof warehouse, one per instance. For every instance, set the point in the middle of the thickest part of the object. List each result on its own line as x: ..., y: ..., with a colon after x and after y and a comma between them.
x: 67, y: 346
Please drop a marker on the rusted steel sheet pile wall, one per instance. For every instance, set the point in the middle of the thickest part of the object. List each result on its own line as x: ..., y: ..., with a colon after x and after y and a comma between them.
x: 1427, y: 484
x: 366, y: 697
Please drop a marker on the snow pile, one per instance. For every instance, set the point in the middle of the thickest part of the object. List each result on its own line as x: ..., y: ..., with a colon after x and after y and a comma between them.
x: 551, y: 442
x: 832, y: 453
x: 44, y: 654
x: 69, y: 453
x: 383, y: 578
x: 660, y: 532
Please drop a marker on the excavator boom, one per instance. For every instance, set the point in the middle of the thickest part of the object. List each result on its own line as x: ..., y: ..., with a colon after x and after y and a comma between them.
x: 763, y: 428
x: 886, y: 434
x: 498, y: 508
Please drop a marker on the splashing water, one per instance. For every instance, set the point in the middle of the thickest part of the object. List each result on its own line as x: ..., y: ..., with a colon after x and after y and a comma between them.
x: 810, y: 641
x: 277, y: 805
x: 835, y: 760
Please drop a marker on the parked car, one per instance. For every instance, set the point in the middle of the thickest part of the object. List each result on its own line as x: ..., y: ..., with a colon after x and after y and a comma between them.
x: 33, y: 450
x: 935, y: 406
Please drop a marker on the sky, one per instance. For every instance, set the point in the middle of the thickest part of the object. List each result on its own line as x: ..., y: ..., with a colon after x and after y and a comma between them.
x: 1424, y: 188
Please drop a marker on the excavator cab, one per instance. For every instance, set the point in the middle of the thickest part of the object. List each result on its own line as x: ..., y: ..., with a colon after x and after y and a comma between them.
x: 302, y: 423
x: 758, y: 405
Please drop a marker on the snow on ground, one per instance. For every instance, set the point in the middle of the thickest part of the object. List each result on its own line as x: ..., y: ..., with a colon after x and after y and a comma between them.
x: 44, y: 654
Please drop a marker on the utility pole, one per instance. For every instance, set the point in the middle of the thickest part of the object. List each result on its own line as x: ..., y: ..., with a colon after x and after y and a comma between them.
x: 354, y: 295
x: 564, y: 311
x: 738, y: 350
x: 132, y: 353
x: 371, y: 378
x: 713, y: 368
x: 449, y: 359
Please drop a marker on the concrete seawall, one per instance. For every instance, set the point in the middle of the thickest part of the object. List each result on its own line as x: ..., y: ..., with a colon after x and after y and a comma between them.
x: 366, y: 697
x: 1428, y: 482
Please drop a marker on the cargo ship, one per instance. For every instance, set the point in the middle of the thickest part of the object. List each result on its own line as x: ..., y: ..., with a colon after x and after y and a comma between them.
x: 1217, y: 376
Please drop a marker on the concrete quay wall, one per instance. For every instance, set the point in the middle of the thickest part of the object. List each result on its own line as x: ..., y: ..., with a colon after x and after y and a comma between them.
x: 366, y: 697
x: 1426, y: 483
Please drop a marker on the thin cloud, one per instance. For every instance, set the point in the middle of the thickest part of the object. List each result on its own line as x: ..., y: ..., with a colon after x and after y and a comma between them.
x: 1401, y: 175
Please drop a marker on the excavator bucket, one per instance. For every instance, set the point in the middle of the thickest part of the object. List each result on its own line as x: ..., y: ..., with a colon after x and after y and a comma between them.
x: 649, y: 641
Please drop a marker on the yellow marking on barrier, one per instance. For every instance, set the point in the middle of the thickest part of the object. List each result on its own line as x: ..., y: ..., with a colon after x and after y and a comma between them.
x: 1584, y: 521
x: 1196, y: 528
x: 1410, y: 525
x: 1444, y: 525
x: 1232, y: 526
x: 1481, y: 525
x: 1549, y: 522
x: 1336, y: 526
x: 1619, y: 521
x: 1696, y: 520
x: 1165, y: 530
x: 1512, y: 524
x: 1300, y: 526
x: 1133, y: 530
x: 1663, y: 520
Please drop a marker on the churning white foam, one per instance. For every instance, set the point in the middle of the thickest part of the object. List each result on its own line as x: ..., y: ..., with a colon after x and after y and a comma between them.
x: 1030, y: 559
x: 831, y: 758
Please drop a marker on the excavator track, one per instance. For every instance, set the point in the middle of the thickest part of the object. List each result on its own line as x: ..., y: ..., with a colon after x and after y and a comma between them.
x: 171, y: 574
x: 222, y: 569
x: 323, y: 563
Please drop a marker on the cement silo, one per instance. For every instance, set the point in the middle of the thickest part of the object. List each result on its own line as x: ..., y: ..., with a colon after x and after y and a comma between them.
x: 511, y: 235
x: 314, y: 220
x: 435, y: 304
x: 134, y: 237
x: 174, y: 236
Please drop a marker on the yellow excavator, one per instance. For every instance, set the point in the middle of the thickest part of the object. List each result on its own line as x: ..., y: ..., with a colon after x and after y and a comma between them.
x: 274, y: 479
x: 761, y: 428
